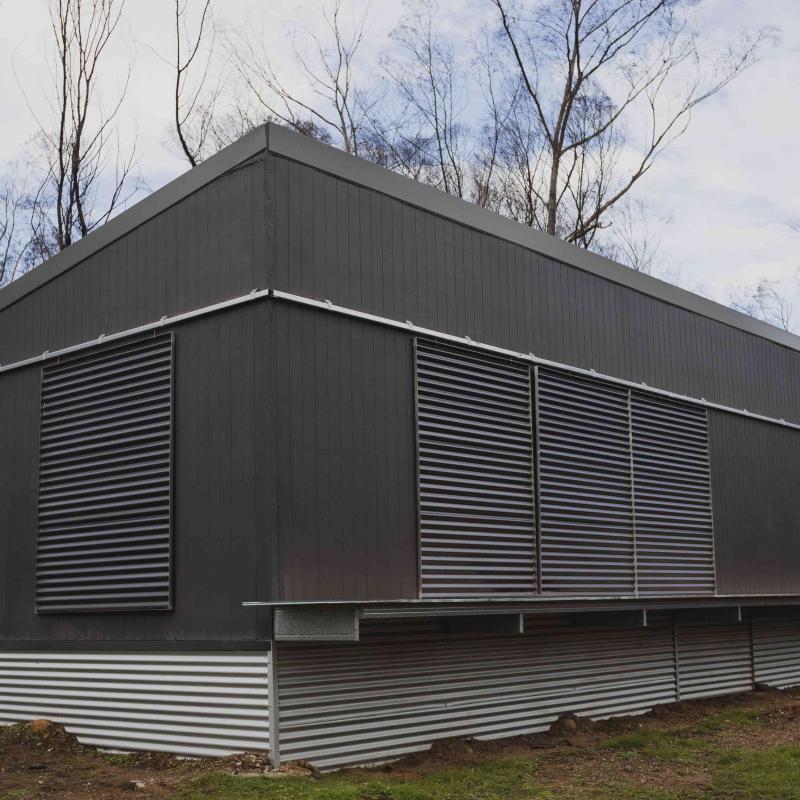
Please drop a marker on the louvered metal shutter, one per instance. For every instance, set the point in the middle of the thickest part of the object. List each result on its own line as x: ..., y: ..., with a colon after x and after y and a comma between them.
x: 672, y: 497
x: 104, y: 539
x: 585, y: 492
x: 475, y: 473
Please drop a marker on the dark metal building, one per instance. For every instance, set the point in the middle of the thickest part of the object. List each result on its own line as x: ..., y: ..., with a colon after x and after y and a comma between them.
x: 297, y: 454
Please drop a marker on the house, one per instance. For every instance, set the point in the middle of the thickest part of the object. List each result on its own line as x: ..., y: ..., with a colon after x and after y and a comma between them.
x: 299, y: 455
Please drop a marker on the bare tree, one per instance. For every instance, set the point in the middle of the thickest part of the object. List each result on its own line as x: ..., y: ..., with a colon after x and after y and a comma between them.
x: 331, y: 104
x: 195, y: 98
x: 15, y: 230
x: 586, y: 67
x: 634, y: 237
x: 767, y: 300
x: 432, y: 93
x: 87, y: 178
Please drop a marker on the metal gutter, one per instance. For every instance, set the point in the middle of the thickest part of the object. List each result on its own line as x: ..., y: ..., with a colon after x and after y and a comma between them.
x: 184, y: 185
x: 295, y: 146
x: 326, y: 305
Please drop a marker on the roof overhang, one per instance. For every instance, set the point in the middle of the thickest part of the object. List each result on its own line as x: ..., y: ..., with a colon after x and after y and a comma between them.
x: 341, y: 620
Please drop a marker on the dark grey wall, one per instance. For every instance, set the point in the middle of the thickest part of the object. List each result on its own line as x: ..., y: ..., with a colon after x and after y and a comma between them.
x: 362, y: 249
x: 295, y: 462
x: 755, y: 485
x: 345, y: 458
x: 208, y: 247
x: 223, y: 479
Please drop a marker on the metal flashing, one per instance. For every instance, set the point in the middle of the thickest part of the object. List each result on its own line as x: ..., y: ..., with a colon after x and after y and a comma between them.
x: 410, y: 327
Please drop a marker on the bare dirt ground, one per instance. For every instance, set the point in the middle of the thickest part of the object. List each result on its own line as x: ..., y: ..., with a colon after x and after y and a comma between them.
x: 52, y: 763
x: 672, y: 749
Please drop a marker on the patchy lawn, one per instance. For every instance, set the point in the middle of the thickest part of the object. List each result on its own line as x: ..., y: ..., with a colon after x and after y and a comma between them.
x: 745, y: 747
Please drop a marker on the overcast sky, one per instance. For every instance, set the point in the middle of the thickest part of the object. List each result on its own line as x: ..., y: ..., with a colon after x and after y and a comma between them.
x: 730, y: 185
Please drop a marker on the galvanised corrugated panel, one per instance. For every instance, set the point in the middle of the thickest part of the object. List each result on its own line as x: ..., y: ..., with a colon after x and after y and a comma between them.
x: 713, y: 660
x: 585, y: 492
x: 776, y: 652
x: 200, y: 704
x: 672, y: 497
x: 475, y: 473
x: 395, y: 693
x: 105, y: 479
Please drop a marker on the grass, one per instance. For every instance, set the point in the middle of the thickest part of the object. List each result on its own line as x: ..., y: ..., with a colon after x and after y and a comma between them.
x: 735, y: 775
x: 759, y: 775
x: 501, y: 779
x: 662, y: 745
x: 732, y: 717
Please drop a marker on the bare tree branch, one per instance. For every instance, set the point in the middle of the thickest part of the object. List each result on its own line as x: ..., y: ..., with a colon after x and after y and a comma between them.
x: 194, y: 101
x: 331, y: 104
x: 767, y: 300
x: 86, y: 177
x: 586, y: 67
x: 15, y: 231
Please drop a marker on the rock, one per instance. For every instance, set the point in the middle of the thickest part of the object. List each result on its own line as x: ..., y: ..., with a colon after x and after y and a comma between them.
x: 41, y: 725
x: 136, y: 785
x: 565, y: 726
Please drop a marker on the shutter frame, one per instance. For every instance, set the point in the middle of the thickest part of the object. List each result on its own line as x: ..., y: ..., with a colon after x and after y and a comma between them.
x: 105, y: 480
x: 476, y: 528
x: 585, y: 486
x: 672, y: 487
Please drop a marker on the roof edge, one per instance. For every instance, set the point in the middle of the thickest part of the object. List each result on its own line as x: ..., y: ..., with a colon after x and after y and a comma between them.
x: 139, y: 213
x: 297, y: 147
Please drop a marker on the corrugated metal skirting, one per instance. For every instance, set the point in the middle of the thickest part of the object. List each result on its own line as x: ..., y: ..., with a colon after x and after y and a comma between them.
x: 396, y: 693
x: 200, y: 704
x: 404, y: 686
x: 776, y: 652
x: 713, y: 660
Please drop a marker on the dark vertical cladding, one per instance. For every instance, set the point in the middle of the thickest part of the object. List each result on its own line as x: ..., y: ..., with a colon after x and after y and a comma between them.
x: 475, y: 473
x: 105, y: 480
x: 361, y: 249
x: 586, y: 502
x: 224, y: 505
x: 208, y: 247
x: 344, y: 457
x: 755, y: 470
